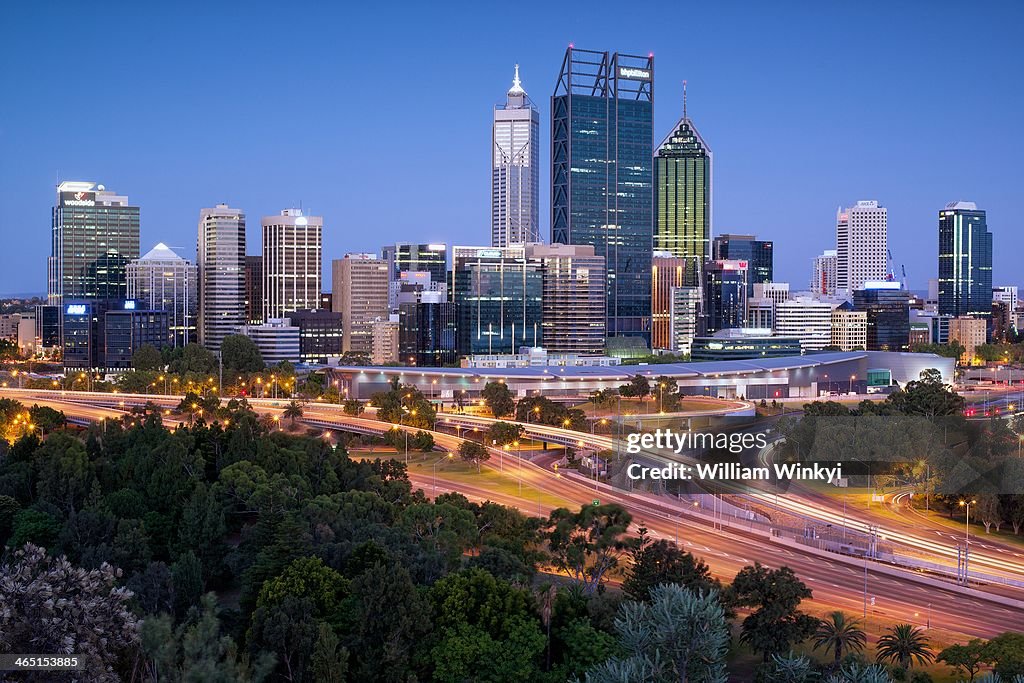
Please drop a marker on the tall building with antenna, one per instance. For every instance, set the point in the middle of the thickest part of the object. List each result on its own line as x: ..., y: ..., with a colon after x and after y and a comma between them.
x: 602, y: 140
x: 515, y: 169
x: 682, y: 196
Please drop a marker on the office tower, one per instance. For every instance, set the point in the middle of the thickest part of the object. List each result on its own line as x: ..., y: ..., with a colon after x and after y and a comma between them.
x: 128, y: 329
x: 498, y: 294
x: 573, y: 296
x: 849, y: 328
x: 384, y: 341
x: 292, y: 270
x: 360, y: 290
x: 725, y: 295
x: 1006, y: 294
x: 682, y: 196
x: 1001, y: 322
x: 667, y: 273
x: 969, y: 332
x: 254, y: 290
x: 163, y: 281
x: 760, y: 313
x: 94, y: 235
x: 515, y: 169
x: 823, y: 277
x: 277, y: 340
x: 601, y: 175
x: 319, y: 335
x: 684, y: 318
x: 221, y: 259
x: 806, y: 319
x: 862, y: 246
x: 965, y: 261
x: 48, y: 322
x: 888, y: 315
x: 103, y: 334
x: 428, y: 331
x: 776, y: 291
x: 413, y: 261
x: 757, y: 253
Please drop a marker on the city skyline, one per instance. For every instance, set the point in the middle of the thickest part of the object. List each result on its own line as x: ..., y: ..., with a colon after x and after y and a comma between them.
x: 156, y: 164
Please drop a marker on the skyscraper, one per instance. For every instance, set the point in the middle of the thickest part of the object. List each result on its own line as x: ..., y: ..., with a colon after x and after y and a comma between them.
x: 667, y: 273
x: 292, y: 270
x: 573, y: 299
x: 220, y: 255
x: 725, y: 295
x: 254, y: 289
x: 888, y: 315
x: 411, y: 262
x: 360, y: 289
x: 94, y: 235
x: 515, y: 169
x: 965, y: 261
x: 682, y: 196
x: 757, y: 253
x: 823, y: 275
x: 601, y: 175
x: 862, y: 246
x: 163, y: 281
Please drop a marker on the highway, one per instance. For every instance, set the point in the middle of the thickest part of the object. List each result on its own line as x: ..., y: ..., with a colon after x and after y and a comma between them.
x: 837, y: 583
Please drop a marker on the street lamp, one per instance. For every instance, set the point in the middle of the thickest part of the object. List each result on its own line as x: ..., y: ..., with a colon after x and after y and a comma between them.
x: 966, y: 504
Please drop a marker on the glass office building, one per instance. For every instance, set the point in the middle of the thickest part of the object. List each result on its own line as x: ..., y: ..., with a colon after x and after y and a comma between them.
x: 965, y: 261
x: 757, y: 253
x: 498, y: 294
x: 725, y: 296
x: 682, y: 197
x: 602, y: 178
x: 888, y: 313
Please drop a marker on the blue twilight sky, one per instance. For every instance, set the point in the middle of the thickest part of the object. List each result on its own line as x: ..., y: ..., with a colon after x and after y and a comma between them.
x: 377, y: 115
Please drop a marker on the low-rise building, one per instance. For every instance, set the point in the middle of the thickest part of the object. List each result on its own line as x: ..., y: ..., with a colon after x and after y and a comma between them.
x: 277, y: 340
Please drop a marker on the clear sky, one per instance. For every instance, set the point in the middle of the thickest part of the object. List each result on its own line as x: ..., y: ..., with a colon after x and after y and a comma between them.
x: 377, y: 115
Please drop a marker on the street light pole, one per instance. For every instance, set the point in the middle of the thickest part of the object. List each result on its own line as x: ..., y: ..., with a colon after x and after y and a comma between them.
x: 967, y: 533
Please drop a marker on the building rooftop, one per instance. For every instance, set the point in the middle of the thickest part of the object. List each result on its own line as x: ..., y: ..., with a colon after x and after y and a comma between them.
x: 161, y: 252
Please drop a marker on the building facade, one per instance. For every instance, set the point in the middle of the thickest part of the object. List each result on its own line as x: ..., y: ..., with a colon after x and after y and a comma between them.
x: 360, y: 290
x: 601, y: 175
x: 220, y: 256
x: 725, y: 296
x: 163, y: 281
x: 849, y: 329
x: 806, y: 319
x: 320, y: 334
x: 965, y: 261
x: 970, y: 332
x: 277, y: 340
x: 684, y: 318
x: 823, y: 274
x: 515, y: 169
x: 103, y: 334
x: 292, y: 262
x: 887, y: 306
x: 573, y: 297
x: 254, y: 289
x: 682, y: 197
x: 95, y: 233
x: 862, y: 246
x: 428, y: 331
x: 384, y: 341
x: 498, y: 294
x: 667, y: 273
x: 757, y: 253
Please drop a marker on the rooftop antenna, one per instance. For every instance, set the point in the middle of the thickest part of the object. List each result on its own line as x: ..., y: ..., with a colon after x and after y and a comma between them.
x: 684, y: 100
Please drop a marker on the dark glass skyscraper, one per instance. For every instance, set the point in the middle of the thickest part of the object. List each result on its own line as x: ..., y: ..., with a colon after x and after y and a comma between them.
x: 682, y: 197
x: 757, y: 253
x: 601, y: 175
x: 725, y: 295
x: 888, y: 309
x: 965, y: 261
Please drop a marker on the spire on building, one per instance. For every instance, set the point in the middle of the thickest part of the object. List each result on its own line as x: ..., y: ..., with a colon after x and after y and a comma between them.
x: 684, y: 100
x: 517, y: 87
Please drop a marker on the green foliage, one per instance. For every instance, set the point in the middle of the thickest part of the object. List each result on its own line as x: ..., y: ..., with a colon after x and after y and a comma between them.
x: 542, y: 410
x: 966, y: 659
x: 903, y: 644
x: 498, y: 398
x: 504, y: 433
x: 638, y: 387
x: 659, y: 562
x: 588, y: 544
x: 353, y: 407
x: 775, y: 623
x: 241, y: 356
x: 473, y: 452
x: 33, y: 526
x: 146, y: 358
x: 840, y: 634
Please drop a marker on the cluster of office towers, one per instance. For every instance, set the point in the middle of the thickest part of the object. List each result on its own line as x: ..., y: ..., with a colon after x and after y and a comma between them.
x: 631, y: 263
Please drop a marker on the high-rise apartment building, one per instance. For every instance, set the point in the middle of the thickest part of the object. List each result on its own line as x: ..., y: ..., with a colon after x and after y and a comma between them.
x: 725, y: 295
x: 384, y: 341
x: 757, y: 253
x: 292, y: 270
x: 515, y: 169
x: 667, y: 273
x: 682, y: 197
x: 163, y: 281
x: 601, y: 175
x: 823, y: 275
x: 220, y: 255
x: 254, y: 289
x: 965, y: 261
x: 849, y: 328
x: 360, y: 290
x: 684, y: 318
x: 806, y: 319
x: 862, y: 246
x: 498, y: 294
x: 573, y: 295
x: 95, y: 233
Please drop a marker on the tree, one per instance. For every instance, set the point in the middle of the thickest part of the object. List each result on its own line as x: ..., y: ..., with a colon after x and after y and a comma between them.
x: 293, y: 411
x: 353, y: 407
x: 839, y: 634
x: 241, y: 356
x: 588, y: 544
x: 657, y: 562
x: 1006, y: 653
x: 902, y: 644
x: 147, y: 358
x: 47, y: 419
x: 475, y: 453
x: 775, y: 623
x: 52, y: 606
x: 638, y: 387
x: 927, y: 397
x: 967, y: 659
x: 498, y: 397
x: 504, y: 433
x: 680, y: 636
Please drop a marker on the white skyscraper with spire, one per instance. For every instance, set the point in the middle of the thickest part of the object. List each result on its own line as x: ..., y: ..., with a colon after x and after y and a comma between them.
x: 515, y: 169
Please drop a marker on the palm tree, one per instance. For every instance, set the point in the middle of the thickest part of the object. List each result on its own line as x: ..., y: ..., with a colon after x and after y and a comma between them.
x: 293, y: 411
x: 839, y: 634
x: 902, y: 644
